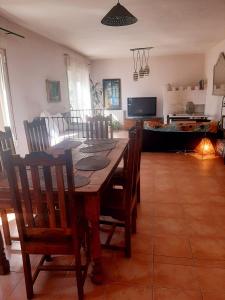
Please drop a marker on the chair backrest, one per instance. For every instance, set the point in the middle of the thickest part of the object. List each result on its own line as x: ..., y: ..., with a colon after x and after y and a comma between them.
x: 6, y: 143
x: 37, y: 135
x: 139, y: 128
x: 99, y: 127
x: 136, y: 132
x: 130, y: 170
x: 43, y: 194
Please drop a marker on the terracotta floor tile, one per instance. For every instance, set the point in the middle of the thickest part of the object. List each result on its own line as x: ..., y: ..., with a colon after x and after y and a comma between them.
x: 172, y: 210
x: 209, y: 263
x: 165, y: 197
x: 175, y: 294
x: 198, y: 212
x: 116, y: 292
x: 175, y: 276
x: 142, y: 243
x: 172, y: 246
x: 8, y: 283
x: 171, y: 260
x: 208, y: 248
x: 211, y: 279
x: 182, y: 198
x: 137, y: 269
x: 213, y: 295
x: 168, y: 226
x: 204, y: 228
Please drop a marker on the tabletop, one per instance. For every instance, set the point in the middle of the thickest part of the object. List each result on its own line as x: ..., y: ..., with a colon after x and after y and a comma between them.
x: 97, y: 178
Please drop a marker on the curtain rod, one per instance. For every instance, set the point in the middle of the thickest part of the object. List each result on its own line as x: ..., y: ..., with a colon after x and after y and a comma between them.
x: 11, y: 32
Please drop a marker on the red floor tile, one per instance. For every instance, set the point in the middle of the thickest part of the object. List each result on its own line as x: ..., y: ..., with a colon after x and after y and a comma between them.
x: 172, y: 246
x: 175, y: 276
x: 211, y: 279
x: 175, y: 294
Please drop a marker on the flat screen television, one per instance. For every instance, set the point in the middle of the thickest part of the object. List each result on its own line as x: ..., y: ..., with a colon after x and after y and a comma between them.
x: 141, y: 107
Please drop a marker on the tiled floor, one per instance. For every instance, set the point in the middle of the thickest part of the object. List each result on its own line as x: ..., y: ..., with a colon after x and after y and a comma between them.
x: 178, y: 251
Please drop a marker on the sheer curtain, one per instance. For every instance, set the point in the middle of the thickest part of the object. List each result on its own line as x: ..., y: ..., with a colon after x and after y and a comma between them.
x: 78, y: 82
x: 6, y: 108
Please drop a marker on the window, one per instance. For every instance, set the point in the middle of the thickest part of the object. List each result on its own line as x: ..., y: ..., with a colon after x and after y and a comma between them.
x: 6, y: 109
x: 78, y: 82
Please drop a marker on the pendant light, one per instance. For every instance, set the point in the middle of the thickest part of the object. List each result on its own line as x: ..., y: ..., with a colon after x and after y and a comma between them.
x: 146, y: 69
x: 141, y: 71
x: 135, y: 74
x: 142, y: 59
x: 118, y: 16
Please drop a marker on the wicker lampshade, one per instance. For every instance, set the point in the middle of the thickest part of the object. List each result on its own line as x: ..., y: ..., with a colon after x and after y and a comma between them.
x: 118, y: 16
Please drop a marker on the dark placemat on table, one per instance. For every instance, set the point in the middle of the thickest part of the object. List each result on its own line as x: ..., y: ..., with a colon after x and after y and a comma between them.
x: 97, y: 148
x: 92, y: 163
x: 99, y: 141
x: 67, y: 144
x: 80, y: 181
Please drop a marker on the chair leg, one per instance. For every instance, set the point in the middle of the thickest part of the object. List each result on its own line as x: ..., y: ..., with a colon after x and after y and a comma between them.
x: 79, y: 274
x: 28, y: 275
x: 80, y: 282
x: 138, y: 191
x: 128, y: 237
x: 5, y: 227
x: 134, y: 219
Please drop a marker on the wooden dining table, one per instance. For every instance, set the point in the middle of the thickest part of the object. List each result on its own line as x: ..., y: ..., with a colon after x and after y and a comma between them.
x: 91, y: 192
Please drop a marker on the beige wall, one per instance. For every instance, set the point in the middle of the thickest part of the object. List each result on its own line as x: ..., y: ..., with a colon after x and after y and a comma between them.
x: 213, y: 103
x: 30, y: 62
x: 178, y: 70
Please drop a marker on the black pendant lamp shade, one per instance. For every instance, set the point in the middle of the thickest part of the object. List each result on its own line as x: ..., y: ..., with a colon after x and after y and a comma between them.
x: 118, y: 16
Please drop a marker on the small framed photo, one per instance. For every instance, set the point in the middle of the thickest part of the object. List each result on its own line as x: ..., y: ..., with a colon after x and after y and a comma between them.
x: 53, y: 91
x: 112, y: 93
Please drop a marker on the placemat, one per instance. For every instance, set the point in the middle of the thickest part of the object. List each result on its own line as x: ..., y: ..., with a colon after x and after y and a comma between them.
x: 67, y: 144
x: 80, y: 181
x: 92, y: 163
x: 99, y: 141
x: 97, y: 148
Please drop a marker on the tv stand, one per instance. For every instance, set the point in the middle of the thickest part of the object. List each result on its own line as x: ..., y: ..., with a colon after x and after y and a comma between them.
x: 183, y: 117
x: 131, y: 121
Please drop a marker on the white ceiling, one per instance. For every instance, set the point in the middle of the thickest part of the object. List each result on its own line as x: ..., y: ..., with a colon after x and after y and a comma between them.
x: 171, y: 26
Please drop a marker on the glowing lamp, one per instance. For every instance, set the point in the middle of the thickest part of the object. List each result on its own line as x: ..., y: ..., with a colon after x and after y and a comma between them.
x: 205, y: 147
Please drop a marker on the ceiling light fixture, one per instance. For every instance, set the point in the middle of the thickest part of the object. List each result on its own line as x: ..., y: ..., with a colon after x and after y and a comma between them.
x: 118, y: 16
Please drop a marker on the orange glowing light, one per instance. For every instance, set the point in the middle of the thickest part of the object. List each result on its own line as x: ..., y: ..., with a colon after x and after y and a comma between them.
x: 205, y: 147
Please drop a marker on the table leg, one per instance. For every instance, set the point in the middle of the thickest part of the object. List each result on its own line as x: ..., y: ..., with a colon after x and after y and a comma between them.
x: 4, y: 263
x: 92, y: 213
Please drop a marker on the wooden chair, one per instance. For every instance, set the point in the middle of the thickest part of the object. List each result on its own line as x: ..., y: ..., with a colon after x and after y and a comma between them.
x: 6, y: 143
x: 37, y: 135
x: 99, y: 127
x: 119, y: 176
x: 120, y: 203
x: 48, y: 214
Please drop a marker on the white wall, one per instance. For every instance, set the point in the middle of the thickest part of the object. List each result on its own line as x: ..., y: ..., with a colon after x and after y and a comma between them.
x: 30, y: 62
x: 213, y: 103
x: 178, y: 70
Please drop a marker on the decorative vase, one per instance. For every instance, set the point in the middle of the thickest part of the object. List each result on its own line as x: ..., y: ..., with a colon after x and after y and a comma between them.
x: 190, y: 108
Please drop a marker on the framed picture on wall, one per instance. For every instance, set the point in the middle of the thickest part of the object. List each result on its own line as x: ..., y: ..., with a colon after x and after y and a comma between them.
x: 53, y: 91
x: 112, y: 93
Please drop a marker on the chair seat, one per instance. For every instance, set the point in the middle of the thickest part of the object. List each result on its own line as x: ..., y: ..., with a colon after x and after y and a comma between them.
x: 58, y: 248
